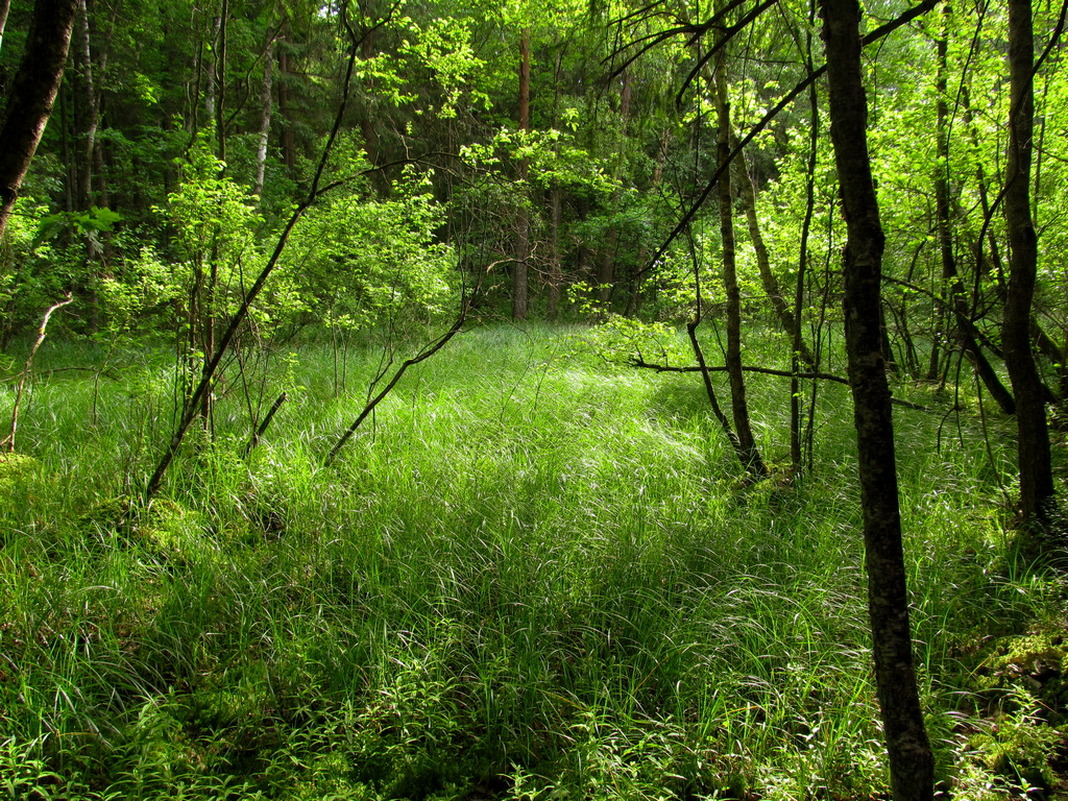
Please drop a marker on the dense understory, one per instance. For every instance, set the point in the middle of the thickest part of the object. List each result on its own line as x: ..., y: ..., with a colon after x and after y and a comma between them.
x: 537, y: 575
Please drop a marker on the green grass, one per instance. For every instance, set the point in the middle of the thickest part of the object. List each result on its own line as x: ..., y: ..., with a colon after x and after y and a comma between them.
x: 536, y: 575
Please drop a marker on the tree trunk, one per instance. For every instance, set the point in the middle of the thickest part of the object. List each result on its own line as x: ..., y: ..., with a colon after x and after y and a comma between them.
x: 754, y: 464
x: 1033, y: 446
x: 520, y: 275
x: 908, y: 749
x: 606, y: 274
x: 211, y: 73
x: 556, y: 208
x: 91, y: 111
x: 556, y: 271
x: 285, y: 111
x: 787, y: 319
x: 797, y: 460
x: 634, y: 293
x: 32, y: 95
x: 220, y: 80
x: 266, y: 107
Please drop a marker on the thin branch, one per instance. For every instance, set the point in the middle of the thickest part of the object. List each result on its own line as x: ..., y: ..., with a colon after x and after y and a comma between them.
x: 428, y: 350
x: 639, y: 361
x: 724, y: 39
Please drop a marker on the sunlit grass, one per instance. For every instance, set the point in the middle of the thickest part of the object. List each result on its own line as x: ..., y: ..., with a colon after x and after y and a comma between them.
x: 533, y: 574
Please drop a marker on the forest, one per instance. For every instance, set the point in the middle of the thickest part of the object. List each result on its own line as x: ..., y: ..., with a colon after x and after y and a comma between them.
x: 587, y: 399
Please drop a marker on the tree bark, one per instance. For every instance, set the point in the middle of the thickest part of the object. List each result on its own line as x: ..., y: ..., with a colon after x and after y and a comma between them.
x: 797, y: 452
x: 285, y: 111
x: 520, y: 275
x: 908, y: 749
x: 556, y: 270
x: 91, y: 114
x: 5, y: 6
x: 606, y: 273
x: 754, y: 464
x: 556, y: 208
x: 266, y: 108
x: 1033, y: 446
x: 220, y: 79
x: 32, y: 96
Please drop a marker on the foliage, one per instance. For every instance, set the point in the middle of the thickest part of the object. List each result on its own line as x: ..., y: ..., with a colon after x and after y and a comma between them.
x: 535, y: 576
x: 356, y: 263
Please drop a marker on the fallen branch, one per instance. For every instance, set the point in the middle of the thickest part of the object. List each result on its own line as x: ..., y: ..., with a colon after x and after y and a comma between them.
x: 8, y: 443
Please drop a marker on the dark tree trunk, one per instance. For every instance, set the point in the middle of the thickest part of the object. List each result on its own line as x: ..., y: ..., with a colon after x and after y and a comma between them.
x: 369, y: 115
x: 606, y: 274
x: 796, y: 451
x: 32, y: 95
x: 754, y: 464
x: 220, y: 80
x: 520, y: 275
x: 1033, y: 446
x: 909, y: 751
x: 285, y: 111
x: 634, y: 291
x: 556, y: 209
x: 556, y: 271
x: 90, y: 109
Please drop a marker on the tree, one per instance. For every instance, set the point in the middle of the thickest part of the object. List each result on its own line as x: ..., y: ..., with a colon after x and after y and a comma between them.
x: 1033, y: 446
x: 520, y: 277
x: 909, y: 751
x: 33, y: 93
x: 752, y: 460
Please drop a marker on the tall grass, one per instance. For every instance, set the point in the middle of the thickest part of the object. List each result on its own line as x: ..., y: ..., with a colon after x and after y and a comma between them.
x: 536, y: 575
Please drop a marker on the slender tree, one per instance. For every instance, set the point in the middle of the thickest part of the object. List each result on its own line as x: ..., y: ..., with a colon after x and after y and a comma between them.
x: 909, y: 751
x: 1033, y: 446
x: 266, y: 108
x: 739, y: 405
x: 520, y: 275
x: 5, y: 6
x: 788, y: 319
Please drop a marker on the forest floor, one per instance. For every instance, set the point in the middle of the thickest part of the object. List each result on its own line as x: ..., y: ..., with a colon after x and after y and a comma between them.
x: 534, y: 574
